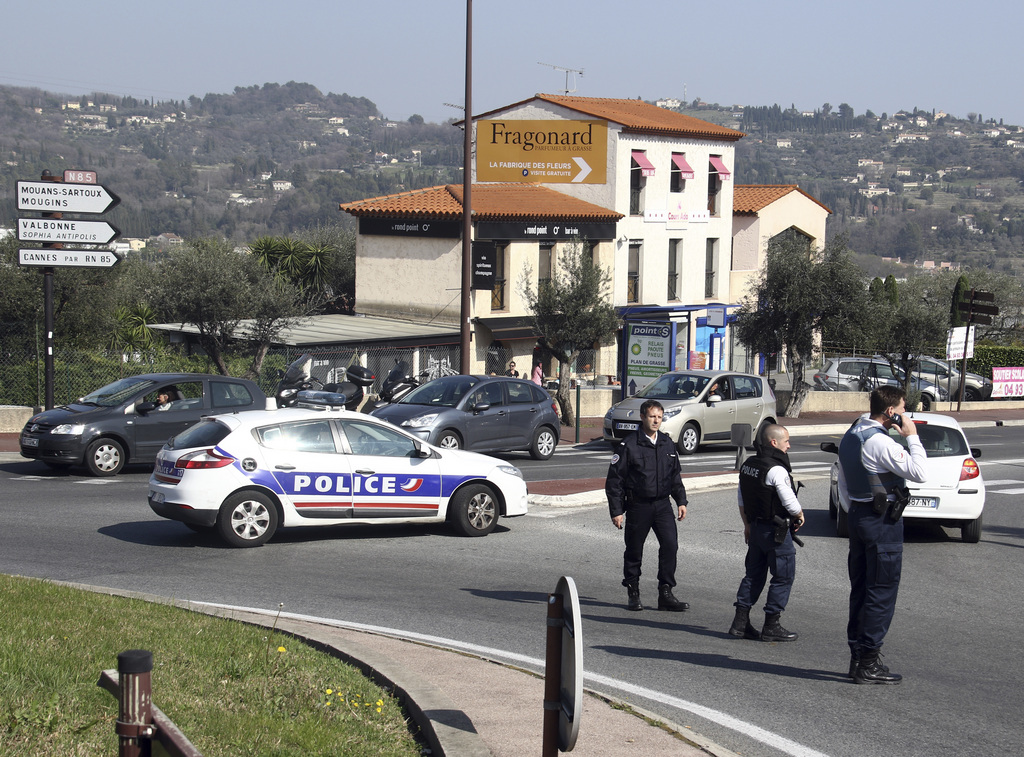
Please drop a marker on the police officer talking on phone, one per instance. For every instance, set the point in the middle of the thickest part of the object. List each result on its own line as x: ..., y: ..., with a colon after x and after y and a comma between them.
x: 643, y: 473
x: 873, y: 470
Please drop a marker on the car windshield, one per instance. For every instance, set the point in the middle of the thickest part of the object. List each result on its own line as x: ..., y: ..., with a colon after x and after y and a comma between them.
x: 442, y: 392
x: 938, y: 441
x: 114, y: 394
x: 674, y: 386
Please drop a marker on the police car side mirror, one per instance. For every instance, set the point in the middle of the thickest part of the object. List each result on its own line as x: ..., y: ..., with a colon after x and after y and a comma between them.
x: 830, y: 447
x: 421, y: 451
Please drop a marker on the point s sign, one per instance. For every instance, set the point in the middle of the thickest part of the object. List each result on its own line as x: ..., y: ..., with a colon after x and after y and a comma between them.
x: 543, y: 152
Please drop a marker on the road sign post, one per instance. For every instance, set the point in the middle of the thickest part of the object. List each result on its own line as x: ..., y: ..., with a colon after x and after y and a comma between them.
x: 977, y: 313
x: 52, y: 196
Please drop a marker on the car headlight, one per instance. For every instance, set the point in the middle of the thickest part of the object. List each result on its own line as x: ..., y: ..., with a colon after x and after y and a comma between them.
x: 69, y: 429
x: 511, y: 470
x: 420, y: 420
x: 608, y: 415
x: 671, y: 412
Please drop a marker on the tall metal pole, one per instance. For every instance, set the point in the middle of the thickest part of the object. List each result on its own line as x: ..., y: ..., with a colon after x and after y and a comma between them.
x: 465, y: 310
x: 48, y: 310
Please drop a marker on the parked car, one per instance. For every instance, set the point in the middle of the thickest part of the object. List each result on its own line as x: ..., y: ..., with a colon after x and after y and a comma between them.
x: 700, y: 407
x: 862, y: 374
x: 125, y: 422
x: 479, y: 413
x: 947, y: 375
x: 953, y: 495
x: 246, y: 475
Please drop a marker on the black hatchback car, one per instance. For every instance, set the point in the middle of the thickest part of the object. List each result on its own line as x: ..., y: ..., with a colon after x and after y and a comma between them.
x: 129, y: 420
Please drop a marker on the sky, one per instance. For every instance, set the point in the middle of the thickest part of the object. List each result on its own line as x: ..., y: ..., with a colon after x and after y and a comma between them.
x: 409, y: 57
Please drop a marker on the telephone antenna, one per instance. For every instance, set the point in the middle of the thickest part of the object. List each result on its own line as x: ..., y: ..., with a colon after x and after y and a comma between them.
x: 568, y: 72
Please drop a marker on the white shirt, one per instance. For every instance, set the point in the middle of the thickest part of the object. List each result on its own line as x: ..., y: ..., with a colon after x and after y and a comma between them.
x: 778, y: 477
x: 883, y: 454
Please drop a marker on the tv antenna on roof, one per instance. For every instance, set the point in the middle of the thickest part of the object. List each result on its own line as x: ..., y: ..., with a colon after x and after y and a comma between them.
x: 568, y: 71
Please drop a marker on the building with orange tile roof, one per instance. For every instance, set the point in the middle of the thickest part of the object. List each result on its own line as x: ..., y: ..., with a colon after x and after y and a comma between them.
x: 650, y: 190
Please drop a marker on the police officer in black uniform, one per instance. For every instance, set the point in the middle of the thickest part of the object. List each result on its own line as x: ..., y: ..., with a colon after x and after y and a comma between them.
x: 768, y: 506
x: 643, y: 473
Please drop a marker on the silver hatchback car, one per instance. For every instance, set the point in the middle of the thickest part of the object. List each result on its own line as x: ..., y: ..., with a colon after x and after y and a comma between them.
x: 700, y: 407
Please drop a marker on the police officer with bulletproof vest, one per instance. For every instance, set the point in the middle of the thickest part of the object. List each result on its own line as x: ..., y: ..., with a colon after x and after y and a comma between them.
x: 643, y: 473
x: 770, y: 512
x: 873, y: 468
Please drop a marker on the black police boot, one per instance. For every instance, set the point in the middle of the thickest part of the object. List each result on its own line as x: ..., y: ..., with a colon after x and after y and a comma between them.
x: 871, y: 670
x: 773, y: 630
x: 854, y: 661
x: 633, y: 590
x: 667, y: 600
x: 741, y: 627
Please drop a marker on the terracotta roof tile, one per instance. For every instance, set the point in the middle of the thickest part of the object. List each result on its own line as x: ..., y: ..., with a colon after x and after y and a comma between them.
x: 640, y: 117
x: 748, y: 199
x: 490, y: 202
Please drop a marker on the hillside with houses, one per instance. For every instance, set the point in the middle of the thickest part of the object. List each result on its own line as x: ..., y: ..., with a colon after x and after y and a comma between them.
x: 917, y: 187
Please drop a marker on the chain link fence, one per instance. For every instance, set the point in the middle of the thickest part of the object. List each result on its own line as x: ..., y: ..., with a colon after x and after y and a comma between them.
x: 79, y: 372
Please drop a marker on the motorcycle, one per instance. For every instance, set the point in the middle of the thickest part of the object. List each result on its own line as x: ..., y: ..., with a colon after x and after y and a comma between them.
x: 399, y: 382
x: 297, y: 387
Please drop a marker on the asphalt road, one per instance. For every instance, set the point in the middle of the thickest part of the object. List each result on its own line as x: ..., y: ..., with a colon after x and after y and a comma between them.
x: 956, y: 636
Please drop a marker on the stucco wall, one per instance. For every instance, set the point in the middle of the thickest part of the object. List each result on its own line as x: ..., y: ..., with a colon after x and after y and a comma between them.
x: 409, y: 277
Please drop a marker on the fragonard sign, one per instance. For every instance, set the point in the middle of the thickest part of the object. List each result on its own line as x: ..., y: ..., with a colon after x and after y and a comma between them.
x: 544, y: 152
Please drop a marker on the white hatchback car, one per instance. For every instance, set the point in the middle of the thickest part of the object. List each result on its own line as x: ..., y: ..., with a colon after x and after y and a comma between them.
x: 248, y: 474
x: 953, y: 495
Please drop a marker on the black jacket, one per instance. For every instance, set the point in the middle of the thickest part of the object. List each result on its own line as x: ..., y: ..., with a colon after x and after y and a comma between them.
x: 643, y: 471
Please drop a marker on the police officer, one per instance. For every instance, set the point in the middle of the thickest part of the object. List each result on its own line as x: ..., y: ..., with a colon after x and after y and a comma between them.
x: 767, y: 492
x: 872, y: 472
x: 643, y: 473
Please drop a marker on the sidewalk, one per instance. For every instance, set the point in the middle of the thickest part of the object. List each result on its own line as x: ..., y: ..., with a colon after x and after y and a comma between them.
x: 468, y: 706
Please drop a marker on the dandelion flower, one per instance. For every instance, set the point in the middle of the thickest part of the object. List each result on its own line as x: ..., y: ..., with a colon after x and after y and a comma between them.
x: 282, y: 650
x: 330, y: 691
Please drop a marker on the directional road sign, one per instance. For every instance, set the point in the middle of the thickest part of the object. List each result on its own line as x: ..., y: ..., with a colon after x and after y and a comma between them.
x: 61, y: 230
x: 55, y: 197
x: 71, y: 258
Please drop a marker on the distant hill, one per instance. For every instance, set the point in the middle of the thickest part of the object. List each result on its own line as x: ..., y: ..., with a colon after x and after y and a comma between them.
x: 278, y: 158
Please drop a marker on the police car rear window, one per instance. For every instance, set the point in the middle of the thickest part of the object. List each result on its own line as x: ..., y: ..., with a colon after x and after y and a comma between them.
x: 206, y: 433
x: 938, y: 441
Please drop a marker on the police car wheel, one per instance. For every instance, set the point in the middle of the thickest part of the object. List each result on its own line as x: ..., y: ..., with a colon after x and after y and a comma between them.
x: 247, y: 519
x: 474, y: 511
x: 689, y: 439
x: 543, y: 445
x: 449, y: 440
x: 842, y: 523
x: 104, y: 457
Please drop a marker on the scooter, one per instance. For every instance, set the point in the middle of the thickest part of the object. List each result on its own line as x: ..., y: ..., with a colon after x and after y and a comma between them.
x: 297, y: 387
x: 399, y: 382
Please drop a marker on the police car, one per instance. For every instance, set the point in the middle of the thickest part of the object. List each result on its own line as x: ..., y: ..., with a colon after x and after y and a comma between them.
x: 953, y: 494
x: 247, y: 474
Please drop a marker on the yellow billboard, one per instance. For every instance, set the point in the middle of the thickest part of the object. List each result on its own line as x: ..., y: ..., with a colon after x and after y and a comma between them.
x: 546, y: 152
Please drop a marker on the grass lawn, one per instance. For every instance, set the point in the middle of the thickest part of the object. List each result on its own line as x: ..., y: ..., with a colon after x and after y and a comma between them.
x: 231, y: 688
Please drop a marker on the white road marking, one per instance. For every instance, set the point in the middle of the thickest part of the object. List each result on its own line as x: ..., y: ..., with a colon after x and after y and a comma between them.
x: 1008, y: 491
x: 787, y: 746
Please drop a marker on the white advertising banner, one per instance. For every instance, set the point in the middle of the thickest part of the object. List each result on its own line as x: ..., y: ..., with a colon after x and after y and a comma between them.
x: 955, y: 343
x: 1007, y: 382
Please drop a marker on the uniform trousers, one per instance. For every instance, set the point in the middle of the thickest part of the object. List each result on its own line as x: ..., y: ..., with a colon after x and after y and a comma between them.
x: 764, y: 555
x: 875, y: 563
x: 641, y: 518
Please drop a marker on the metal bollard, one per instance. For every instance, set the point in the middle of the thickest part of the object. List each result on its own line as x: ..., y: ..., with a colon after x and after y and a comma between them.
x: 135, y: 704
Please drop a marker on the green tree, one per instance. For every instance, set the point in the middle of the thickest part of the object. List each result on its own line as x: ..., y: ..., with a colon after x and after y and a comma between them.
x: 800, y: 295
x: 229, y: 297
x: 960, y: 294
x: 572, y: 312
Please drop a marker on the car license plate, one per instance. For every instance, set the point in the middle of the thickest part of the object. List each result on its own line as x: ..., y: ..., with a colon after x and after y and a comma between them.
x: 931, y: 502
x: 156, y: 497
x: 627, y: 426
x: 28, y: 441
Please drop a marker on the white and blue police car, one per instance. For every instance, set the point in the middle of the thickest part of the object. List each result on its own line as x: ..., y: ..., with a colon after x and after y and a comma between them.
x: 247, y: 474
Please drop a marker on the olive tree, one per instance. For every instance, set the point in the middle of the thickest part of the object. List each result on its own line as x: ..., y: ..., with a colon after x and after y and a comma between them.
x: 571, y: 311
x: 798, y: 295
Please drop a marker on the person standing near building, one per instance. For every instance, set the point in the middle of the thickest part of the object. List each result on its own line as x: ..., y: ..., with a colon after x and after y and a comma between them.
x: 873, y: 469
x: 538, y: 374
x: 512, y: 369
x: 768, y: 505
x: 643, y: 474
